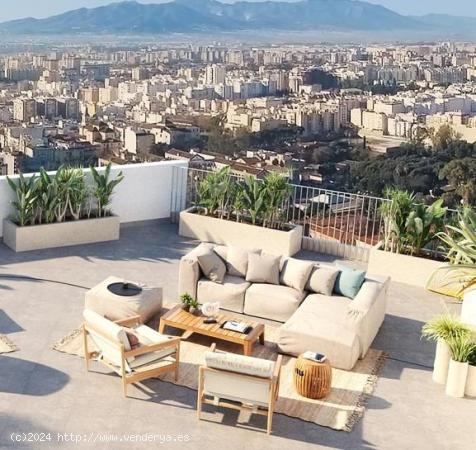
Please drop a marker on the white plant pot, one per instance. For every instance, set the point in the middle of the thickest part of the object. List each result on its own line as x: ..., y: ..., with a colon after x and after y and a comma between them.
x: 442, y: 361
x: 468, y: 308
x: 456, y: 381
x: 471, y: 382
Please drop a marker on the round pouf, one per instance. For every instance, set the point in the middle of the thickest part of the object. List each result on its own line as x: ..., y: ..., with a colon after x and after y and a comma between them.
x: 312, y: 379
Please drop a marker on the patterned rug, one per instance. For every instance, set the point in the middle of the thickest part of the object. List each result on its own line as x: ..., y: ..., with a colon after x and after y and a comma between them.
x: 6, y: 345
x: 340, y: 410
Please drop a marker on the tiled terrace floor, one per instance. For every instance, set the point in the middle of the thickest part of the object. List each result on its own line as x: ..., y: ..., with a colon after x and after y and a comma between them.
x: 41, y: 299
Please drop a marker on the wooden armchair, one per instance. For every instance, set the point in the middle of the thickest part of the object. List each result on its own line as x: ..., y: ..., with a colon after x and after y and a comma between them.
x: 251, y: 383
x: 156, y: 353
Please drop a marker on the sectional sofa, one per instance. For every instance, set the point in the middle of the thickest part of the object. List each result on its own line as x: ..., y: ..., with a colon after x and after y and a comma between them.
x: 342, y: 328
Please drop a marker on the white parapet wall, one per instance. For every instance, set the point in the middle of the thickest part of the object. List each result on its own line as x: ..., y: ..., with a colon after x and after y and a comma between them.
x: 145, y: 193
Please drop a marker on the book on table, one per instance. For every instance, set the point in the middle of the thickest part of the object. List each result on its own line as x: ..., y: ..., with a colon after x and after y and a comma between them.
x: 239, y: 327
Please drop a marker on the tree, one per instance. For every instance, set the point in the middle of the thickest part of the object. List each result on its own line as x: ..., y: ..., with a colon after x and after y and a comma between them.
x: 461, y: 174
x: 442, y: 137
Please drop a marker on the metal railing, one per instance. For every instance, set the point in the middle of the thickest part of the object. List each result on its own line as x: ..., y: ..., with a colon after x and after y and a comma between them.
x: 333, y: 222
x: 336, y: 223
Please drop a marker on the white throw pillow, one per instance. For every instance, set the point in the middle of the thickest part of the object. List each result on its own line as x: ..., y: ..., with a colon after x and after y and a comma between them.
x: 212, y: 266
x: 322, y: 280
x: 263, y: 268
x: 295, y: 273
x: 237, y: 260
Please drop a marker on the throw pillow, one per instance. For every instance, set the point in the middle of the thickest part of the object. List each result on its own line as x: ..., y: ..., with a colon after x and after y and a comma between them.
x: 133, y: 340
x: 349, y: 281
x: 322, y: 280
x: 263, y: 268
x: 237, y: 260
x: 212, y: 266
x: 295, y: 273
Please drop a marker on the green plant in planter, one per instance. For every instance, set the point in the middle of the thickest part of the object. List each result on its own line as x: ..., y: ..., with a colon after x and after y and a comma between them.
x: 189, y: 302
x: 215, y: 191
x: 254, y: 197
x: 238, y: 200
x: 422, y: 225
x: 460, y: 240
x: 277, y: 190
x: 47, y: 199
x: 25, y: 199
x: 104, y: 188
x: 395, y: 213
x: 446, y: 327
x: 461, y: 348
x: 71, y: 192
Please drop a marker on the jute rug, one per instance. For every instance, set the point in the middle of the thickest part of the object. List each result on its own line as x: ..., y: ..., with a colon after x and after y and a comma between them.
x: 340, y: 410
x: 6, y: 345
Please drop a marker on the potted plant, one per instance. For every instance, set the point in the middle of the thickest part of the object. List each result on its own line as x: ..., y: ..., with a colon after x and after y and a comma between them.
x: 470, y: 389
x: 245, y: 212
x: 189, y: 303
x: 458, y: 278
x: 61, y: 209
x: 442, y: 329
x: 461, y: 349
x: 407, y: 251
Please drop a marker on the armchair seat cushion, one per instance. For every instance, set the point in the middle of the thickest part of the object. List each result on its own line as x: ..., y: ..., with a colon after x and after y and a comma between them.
x: 272, y: 302
x: 230, y: 294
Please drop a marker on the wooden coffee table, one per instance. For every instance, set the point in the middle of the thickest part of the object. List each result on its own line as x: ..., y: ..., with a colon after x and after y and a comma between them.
x: 190, y: 323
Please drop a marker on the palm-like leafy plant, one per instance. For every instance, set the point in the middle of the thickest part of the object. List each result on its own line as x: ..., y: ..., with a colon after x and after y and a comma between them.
x: 47, y: 200
x: 276, y: 189
x: 422, y: 225
x: 104, y: 188
x: 395, y: 213
x: 214, y: 191
x: 254, y: 197
x: 461, y: 243
x: 25, y: 199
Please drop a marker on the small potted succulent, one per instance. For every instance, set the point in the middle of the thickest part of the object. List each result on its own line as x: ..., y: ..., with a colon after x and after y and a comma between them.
x: 189, y: 303
x: 461, y: 350
x: 442, y: 329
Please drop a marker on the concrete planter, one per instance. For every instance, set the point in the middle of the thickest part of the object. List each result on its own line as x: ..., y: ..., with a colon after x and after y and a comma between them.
x: 36, y: 237
x: 456, y: 382
x: 402, y: 268
x: 470, y: 389
x: 442, y: 362
x: 228, y: 232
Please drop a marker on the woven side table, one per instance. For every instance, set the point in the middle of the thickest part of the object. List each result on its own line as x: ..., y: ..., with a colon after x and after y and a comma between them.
x: 312, y: 379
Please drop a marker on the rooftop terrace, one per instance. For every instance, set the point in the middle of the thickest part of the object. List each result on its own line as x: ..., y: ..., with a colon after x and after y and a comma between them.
x: 42, y: 297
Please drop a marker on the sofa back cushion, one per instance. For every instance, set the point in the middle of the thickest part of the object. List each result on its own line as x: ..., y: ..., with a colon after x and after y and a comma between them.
x: 322, y: 280
x: 263, y: 268
x: 349, y: 281
x: 237, y: 260
x: 295, y: 273
x: 212, y: 266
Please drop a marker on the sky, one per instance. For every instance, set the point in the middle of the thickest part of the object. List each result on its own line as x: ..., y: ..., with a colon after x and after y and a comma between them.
x: 14, y: 9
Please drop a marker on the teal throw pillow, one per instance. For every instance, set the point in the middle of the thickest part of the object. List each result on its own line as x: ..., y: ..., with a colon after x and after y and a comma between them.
x: 349, y: 281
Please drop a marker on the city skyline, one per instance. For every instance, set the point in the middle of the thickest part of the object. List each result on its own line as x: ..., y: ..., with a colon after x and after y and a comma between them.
x: 45, y: 8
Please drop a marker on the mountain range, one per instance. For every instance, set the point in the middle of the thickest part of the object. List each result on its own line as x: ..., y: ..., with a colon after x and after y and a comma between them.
x: 204, y: 16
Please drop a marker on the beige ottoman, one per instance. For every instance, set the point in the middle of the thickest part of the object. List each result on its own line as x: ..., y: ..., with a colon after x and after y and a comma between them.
x: 146, y: 304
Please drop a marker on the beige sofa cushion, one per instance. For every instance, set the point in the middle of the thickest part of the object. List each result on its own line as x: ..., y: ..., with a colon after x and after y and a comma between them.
x: 263, y: 268
x: 212, y: 266
x: 239, y: 363
x: 295, y: 273
x: 272, y: 302
x: 230, y: 294
x: 322, y: 280
x: 308, y: 331
x: 237, y: 260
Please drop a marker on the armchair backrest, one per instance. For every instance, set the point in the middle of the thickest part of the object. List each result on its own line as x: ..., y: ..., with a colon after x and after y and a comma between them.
x: 237, y: 377
x: 108, y: 336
